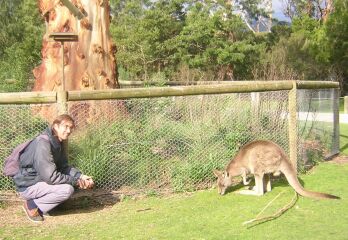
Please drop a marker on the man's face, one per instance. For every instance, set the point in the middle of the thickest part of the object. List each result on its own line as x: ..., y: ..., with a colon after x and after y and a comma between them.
x: 63, y: 130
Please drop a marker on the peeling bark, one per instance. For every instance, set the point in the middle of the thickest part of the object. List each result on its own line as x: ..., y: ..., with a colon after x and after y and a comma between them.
x: 89, y: 63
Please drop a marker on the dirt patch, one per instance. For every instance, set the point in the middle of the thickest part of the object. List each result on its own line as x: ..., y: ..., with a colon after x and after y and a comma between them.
x: 75, y: 210
x: 339, y: 160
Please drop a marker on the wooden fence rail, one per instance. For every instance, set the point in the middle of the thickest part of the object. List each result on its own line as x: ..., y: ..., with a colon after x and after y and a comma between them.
x: 231, y: 87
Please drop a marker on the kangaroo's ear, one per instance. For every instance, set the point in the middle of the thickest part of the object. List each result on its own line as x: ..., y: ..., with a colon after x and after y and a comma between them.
x: 217, y: 173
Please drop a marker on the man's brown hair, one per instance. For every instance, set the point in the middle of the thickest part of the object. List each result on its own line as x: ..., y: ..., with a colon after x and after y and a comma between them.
x: 59, y: 119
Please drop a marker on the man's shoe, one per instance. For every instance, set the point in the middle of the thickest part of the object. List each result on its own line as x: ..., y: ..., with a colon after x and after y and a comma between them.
x: 46, y: 215
x: 33, y: 214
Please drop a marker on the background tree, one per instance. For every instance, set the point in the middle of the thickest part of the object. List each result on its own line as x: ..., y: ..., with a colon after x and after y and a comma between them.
x: 89, y: 63
x: 126, y: 15
x: 20, y: 43
x: 309, y: 49
x: 169, y: 36
x: 142, y: 30
x: 336, y: 29
x: 213, y: 34
x: 173, y: 40
x: 318, y: 9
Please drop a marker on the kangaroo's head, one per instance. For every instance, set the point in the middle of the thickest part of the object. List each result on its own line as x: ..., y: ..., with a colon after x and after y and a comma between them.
x: 224, y: 180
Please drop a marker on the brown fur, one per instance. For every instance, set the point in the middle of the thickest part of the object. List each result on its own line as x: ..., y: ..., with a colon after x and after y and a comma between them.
x: 262, y: 158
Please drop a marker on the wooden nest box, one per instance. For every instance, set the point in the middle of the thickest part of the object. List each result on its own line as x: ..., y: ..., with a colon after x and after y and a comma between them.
x: 64, y: 37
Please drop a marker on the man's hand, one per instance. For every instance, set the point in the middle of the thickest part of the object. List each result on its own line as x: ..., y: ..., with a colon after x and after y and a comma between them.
x: 85, y: 182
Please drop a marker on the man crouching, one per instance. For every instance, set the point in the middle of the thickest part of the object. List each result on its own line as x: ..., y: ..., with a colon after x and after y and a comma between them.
x: 45, y: 179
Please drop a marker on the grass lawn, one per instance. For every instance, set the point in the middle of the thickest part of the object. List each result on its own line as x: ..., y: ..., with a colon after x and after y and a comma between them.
x: 341, y: 105
x: 344, y: 138
x: 203, y: 214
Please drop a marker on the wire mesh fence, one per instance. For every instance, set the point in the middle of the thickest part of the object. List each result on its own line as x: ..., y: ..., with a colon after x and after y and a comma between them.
x: 167, y: 143
x: 172, y: 142
x: 19, y: 123
x: 317, y: 127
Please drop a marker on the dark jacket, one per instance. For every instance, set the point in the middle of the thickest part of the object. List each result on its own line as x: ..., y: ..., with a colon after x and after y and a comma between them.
x: 45, y: 161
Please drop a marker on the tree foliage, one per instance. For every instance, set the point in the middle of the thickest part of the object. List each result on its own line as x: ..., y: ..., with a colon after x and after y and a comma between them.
x: 142, y: 31
x: 195, y: 40
x: 318, y: 9
x: 212, y: 34
x: 166, y: 35
x: 20, y: 43
x: 336, y: 31
x: 314, y: 48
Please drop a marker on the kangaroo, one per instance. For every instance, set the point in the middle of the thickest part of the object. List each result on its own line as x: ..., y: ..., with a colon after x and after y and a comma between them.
x: 262, y: 158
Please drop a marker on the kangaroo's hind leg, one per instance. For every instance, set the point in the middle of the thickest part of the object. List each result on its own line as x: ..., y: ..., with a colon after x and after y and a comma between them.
x: 267, y: 183
x: 259, y: 185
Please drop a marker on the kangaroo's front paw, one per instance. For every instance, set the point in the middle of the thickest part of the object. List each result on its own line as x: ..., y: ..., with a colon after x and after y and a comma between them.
x: 246, y: 181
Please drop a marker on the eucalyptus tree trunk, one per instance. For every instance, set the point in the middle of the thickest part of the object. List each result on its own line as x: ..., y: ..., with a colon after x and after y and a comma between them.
x: 90, y: 62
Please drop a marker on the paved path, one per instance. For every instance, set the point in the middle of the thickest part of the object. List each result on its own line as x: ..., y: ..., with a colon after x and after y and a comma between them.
x: 321, y: 117
x: 344, y: 118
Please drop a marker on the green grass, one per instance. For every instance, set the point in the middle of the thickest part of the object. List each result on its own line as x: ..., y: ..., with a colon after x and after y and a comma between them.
x: 341, y: 105
x: 344, y: 138
x: 206, y: 215
x: 326, y: 105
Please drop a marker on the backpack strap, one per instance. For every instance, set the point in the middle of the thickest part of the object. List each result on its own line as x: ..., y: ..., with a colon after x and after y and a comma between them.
x: 43, y: 136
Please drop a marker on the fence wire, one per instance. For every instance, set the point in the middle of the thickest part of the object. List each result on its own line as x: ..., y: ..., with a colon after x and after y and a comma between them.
x: 19, y: 123
x: 317, y: 130
x: 163, y: 144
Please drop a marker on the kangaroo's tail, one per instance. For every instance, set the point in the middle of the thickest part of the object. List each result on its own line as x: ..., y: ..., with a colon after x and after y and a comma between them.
x: 291, y: 176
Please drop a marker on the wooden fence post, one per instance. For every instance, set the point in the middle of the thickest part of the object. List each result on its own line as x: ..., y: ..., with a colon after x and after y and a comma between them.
x: 346, y: 104
x: 293, y: 125
x: 62, y: 104
x: 335, y: 148
x: 62, y: 101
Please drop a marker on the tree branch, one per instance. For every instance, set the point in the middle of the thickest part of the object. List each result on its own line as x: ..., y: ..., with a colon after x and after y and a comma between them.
x: 274, y: 216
